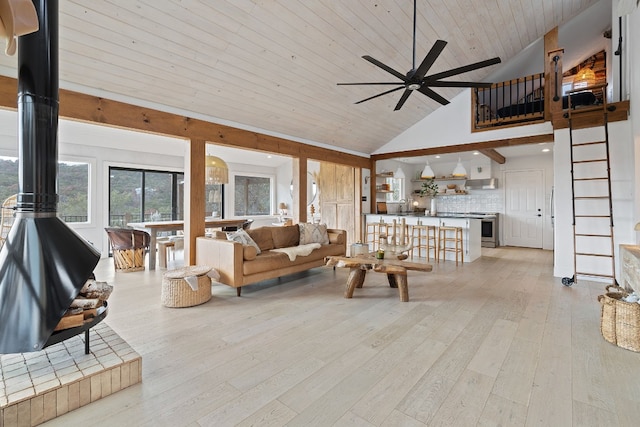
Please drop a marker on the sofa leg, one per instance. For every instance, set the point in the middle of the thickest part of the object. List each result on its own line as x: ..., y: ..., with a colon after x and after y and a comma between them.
x: 238, y: 290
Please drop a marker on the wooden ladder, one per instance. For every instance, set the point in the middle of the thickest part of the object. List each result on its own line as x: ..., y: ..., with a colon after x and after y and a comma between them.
x: 593, y: 237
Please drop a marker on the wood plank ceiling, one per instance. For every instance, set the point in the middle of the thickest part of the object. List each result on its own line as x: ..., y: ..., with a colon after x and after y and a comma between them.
x: 274, y: 65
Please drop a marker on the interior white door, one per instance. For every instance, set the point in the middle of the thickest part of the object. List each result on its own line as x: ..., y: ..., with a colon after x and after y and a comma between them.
x: 524, y: 204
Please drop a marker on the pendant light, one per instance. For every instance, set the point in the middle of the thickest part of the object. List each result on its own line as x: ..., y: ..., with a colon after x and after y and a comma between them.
x: 427, y: 172
x: 459, y: 171
x: 216, y: 170
x: 399, y: 173
x: 585, y: 78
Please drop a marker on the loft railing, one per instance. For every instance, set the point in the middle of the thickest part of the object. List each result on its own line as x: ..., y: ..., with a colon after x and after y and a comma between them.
x: 507, y: 103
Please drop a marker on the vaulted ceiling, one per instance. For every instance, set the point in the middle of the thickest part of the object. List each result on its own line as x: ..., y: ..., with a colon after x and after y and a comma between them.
x: 274, y: 64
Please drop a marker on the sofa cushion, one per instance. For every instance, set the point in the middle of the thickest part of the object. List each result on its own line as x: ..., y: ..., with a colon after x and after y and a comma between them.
x: 262, y: 236
x: 266, y: 261
x: 285, y: 237
x: 241, y: 236
x: 249, y: 253
x: 313, y: 233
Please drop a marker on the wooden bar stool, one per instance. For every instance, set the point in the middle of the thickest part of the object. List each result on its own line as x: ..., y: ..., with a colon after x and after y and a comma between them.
x: 424, y: 237
x: 446, y: 236
x: 374, y: 230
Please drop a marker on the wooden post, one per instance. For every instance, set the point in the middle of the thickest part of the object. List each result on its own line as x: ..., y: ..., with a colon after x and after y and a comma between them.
x: 550, y: 44
x: 194, y: 198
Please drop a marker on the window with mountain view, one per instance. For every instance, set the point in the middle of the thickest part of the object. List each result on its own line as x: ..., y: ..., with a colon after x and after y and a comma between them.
x: 137, y: 195
x: 73, y: 187
x: 252, y: 195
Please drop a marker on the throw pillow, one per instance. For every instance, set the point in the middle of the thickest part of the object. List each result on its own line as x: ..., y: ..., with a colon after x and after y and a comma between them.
x: 313, y: 233
x: 241, y: 236
x: 262, y: 236
x: 249, y: 253
x: 285, y: 237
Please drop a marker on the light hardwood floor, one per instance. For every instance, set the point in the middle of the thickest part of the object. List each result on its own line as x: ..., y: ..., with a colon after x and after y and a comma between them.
x: 499, y: 341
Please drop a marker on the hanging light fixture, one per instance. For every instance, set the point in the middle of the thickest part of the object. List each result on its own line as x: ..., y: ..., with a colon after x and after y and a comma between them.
x: 427, y: 172
x: 585, y: 77
x: 399, y: 173
x: 216, y: 170
x: 459, y: 171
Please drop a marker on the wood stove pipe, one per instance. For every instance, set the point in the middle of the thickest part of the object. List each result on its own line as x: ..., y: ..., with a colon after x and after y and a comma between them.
x: 43, y: 263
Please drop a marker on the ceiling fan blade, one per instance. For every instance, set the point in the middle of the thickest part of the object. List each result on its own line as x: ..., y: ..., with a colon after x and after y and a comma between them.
x: 385, y: 67
x: 431, y: 57
x: 380, y: 94
x: 440, y: 83
x: 431, y: 94
x: 464, y: 69
x: 373, y: 83
x: 403, y: 99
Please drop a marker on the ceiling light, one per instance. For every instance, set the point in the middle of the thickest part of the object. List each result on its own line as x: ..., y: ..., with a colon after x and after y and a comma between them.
x: 216, y: 170
x: 459, y: 171
x: 413, y: 86
x: 438, y: 156
x: 427, y: 172
x: 546, y: 150
x: 475, y: 153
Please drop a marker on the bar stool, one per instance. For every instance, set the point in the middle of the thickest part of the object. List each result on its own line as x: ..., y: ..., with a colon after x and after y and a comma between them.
x: 374, y: 231
x: 446, y: 236
x: 424, y: 237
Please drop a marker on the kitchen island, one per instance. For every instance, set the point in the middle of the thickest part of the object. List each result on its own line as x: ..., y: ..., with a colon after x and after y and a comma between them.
x: 470, y: 224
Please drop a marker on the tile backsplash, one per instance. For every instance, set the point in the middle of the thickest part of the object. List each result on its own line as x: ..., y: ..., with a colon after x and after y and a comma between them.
x: 488, y: 201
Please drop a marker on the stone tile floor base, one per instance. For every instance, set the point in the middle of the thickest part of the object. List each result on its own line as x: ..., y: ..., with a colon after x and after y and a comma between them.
x: 39, y: 386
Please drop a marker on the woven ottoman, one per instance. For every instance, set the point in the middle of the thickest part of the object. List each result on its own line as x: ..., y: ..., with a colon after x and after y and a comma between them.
x: 178, y: 292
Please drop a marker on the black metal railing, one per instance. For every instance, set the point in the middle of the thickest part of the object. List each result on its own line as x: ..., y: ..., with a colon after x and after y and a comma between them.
x: 514, y: 101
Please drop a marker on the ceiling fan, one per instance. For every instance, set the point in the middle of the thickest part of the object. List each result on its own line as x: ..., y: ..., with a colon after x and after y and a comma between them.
x: 417, y: 78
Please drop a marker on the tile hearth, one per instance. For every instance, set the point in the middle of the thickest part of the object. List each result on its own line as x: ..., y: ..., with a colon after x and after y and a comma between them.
x: 39, y: 386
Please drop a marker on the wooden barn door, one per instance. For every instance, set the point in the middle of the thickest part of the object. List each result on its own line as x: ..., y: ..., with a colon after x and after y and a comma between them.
x: 338, y: 196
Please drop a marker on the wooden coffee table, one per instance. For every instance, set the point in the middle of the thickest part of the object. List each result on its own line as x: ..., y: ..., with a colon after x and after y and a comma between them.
x: 395, y: 269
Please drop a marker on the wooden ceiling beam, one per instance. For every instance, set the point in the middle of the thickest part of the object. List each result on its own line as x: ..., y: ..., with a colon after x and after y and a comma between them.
x: 493, y: 155
x: 472, y: 146
x: 88, y: 108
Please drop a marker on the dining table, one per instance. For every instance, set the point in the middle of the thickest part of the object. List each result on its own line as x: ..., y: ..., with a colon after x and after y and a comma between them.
x: 156, y: 227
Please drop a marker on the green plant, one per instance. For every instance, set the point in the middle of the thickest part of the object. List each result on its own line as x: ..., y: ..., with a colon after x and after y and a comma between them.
x: 429, y: 188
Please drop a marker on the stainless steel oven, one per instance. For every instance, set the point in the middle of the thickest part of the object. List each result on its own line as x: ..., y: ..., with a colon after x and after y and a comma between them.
x: 489, y: 231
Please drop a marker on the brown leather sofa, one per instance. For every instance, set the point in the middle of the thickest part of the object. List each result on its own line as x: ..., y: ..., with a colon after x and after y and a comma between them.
x: 240, y: 265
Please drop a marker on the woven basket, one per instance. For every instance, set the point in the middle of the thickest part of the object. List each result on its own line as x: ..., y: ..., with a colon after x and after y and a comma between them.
x: 176, y: 292
x: 620, y: 321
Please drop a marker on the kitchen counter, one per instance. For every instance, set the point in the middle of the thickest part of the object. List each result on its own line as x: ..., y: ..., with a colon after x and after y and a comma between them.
x: 470, y: 223
x: 477, y: 215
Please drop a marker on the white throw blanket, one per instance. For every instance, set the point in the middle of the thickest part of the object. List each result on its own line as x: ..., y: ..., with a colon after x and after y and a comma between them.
x: 302, y: 250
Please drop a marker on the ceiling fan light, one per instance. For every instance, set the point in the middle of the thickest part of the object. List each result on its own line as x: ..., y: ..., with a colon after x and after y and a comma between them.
x: 414, y: 86
x: 427, y: 172
x: 459, y: 171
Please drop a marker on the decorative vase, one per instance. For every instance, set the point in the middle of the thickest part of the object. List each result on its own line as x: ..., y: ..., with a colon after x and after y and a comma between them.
x: 432, y: 210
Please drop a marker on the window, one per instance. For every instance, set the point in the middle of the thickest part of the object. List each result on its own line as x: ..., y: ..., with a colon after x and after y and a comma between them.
x: 137, y: 195
x: 252, y: 195
x: 396, y: 186
x: 73, y: 187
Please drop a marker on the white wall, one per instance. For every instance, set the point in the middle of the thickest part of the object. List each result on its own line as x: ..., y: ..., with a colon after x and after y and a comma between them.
x: 623, y: 188
x: 451, y: 125
x: 633, y: 47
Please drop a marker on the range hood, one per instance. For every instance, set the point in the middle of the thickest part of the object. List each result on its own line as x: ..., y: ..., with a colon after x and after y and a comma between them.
x: 482, y: 184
